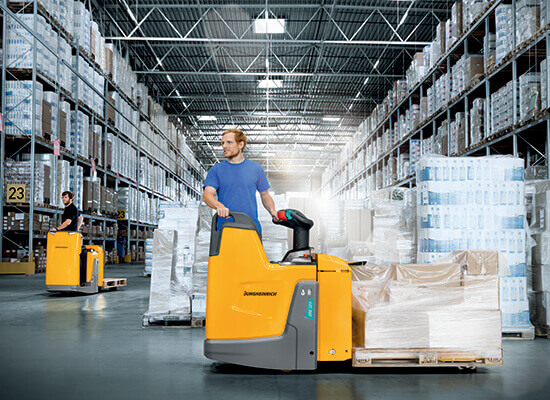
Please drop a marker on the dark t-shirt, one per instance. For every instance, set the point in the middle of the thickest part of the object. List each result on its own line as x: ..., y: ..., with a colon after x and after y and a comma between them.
x: 70, y: 212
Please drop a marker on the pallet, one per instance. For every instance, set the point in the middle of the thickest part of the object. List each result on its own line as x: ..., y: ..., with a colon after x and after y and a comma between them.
x: 518, y: 333
x: 146, y: 275
x: 167, y: 320
x: 426, y: 358
x: 198, y: 322
x: 542, y: 331
x: 113, y: 283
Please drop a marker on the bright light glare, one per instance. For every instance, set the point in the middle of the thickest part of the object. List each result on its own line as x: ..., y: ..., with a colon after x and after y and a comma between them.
x: 269, y: 25
x: 169, y: 78
x: 270, y: 83
x: 297, y: 195
x: 206, y: 118
x: 268, y: 154
x: 376, y: 64
x: 331, y: 119
x: 366, y: 80
x: 316, y: 147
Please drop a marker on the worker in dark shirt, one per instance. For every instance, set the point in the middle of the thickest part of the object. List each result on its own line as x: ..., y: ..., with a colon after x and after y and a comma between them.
x: 71, y: 218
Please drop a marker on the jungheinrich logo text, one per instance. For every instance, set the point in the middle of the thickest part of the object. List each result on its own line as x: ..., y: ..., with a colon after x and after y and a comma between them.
x: 246, y: 293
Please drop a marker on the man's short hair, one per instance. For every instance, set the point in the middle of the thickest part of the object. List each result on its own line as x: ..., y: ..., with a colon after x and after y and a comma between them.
x: 239, y: 135
x: 68, y: 193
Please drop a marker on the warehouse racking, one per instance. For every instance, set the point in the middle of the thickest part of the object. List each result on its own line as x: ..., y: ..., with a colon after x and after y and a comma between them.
x: 181, y: 170
x: 354, y: 174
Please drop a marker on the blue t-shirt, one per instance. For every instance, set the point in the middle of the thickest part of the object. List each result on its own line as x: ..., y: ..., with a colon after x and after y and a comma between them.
x: 236, y: 185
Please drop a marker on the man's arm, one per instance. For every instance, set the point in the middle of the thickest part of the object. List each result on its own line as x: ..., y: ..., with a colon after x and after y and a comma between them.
x: 209, y: 197
x: 79, y: 222
x: 65, y: 224
x: 269, y: 204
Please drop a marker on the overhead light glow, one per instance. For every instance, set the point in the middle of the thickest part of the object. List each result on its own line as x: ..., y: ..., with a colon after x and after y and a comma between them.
x: 366, y: 80
x: 270, y: 83
x: 269, y: 25
x: 268, y: 154
x: 376, y: 64
x: 169, y: 78
x: 331, y: 119
x: 316, y: 147
x: 206, y: 118
x: 357, y: 95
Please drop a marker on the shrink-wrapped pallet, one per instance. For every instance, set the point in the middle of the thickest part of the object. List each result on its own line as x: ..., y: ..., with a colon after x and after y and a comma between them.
x: 452, y: 303
x: 168, y: 295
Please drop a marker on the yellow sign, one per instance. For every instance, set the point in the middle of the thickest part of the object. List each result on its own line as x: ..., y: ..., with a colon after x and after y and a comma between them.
x: 16, y: 193
x: 121, y: 215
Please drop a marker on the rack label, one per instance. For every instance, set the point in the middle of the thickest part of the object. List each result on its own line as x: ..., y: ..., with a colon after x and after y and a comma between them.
x: 16, y: 193
x: 121, y: 215
x: 56, y: 147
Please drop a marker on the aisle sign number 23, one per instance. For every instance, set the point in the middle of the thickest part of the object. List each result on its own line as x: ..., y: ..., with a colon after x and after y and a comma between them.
x: 16, y: 193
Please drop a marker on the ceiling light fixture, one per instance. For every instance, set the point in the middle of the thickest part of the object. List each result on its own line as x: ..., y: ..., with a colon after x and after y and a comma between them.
x: 206, y: 118
x: 270, y: 83
x: 269, y: 25
x: 377, y: 63
x: 331, y: 119
x: 366, y: 80
x: 268, y: 154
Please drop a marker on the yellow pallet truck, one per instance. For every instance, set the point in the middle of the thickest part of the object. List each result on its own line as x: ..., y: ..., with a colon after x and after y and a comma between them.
x: 71, y: 267
x: 286, y: 315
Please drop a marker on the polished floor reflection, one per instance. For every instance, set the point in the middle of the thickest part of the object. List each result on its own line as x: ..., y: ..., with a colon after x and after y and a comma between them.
x: 90, y: 347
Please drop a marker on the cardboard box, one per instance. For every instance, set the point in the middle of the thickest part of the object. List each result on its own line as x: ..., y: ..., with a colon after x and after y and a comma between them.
x: 445, y: 274
x: 108, y: 154
x: 46, y: 119
x: 457, y: 19
x: 108, y: 60
x: 394, y: 330
x: 474, y: 66
x: 47, y: 185
x: 465, y: 329
x: 111, y: 113
x: 481, y: 262
x: 62, y: 127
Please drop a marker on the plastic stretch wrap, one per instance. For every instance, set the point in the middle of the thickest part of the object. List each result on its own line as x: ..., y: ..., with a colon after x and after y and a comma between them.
x: 168, y: 295
x: 200, y: 264
x: 274, y: 237
x: 452, y: 303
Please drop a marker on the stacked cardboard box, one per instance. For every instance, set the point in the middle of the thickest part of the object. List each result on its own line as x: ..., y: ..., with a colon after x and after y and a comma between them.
x: 19, y: 113
x: 20, y: 172
x: 168, y: 294
x: 472, y: 10
x: 539, y: 274
x: 527, y: 20
x: 457, y: 134
x: 450, y: 304
x: 476, y: 203
x: 502, y: 110
x: 529, y: 95
x: 477, y: 121
x: 504, y: 31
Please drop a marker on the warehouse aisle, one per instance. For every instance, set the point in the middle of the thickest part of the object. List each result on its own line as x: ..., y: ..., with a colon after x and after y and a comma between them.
x: 94, y: 347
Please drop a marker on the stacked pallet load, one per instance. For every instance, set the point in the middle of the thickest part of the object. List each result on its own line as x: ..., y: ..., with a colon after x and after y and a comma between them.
x: 539, y: 271
x: 200, y: 265
x: 477, y: 203
x: 446, y: 313
x: 274, y: 237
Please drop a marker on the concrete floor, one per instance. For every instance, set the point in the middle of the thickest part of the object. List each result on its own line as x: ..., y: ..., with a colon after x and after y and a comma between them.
x: 90, y: 347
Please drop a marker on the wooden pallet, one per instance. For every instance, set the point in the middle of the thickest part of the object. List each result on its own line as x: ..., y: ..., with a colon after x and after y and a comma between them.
x: 198, y: 322
x: 167, y: 320
x: 542, y: 331
x: 113, y: 283
x: 426, y: 358
x: 519, y: 333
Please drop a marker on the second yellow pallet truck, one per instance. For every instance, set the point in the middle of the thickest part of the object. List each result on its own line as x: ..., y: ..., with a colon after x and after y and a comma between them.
x: 71, y: 267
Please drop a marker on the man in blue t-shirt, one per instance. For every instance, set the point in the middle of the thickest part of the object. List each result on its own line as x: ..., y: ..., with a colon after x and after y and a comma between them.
x: 235, y: 182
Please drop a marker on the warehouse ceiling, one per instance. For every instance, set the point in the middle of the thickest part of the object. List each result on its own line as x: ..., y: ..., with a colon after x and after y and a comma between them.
x: 208, y: 64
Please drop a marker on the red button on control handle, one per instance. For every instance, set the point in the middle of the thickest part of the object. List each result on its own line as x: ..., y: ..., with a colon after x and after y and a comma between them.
x: 282, y: 215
